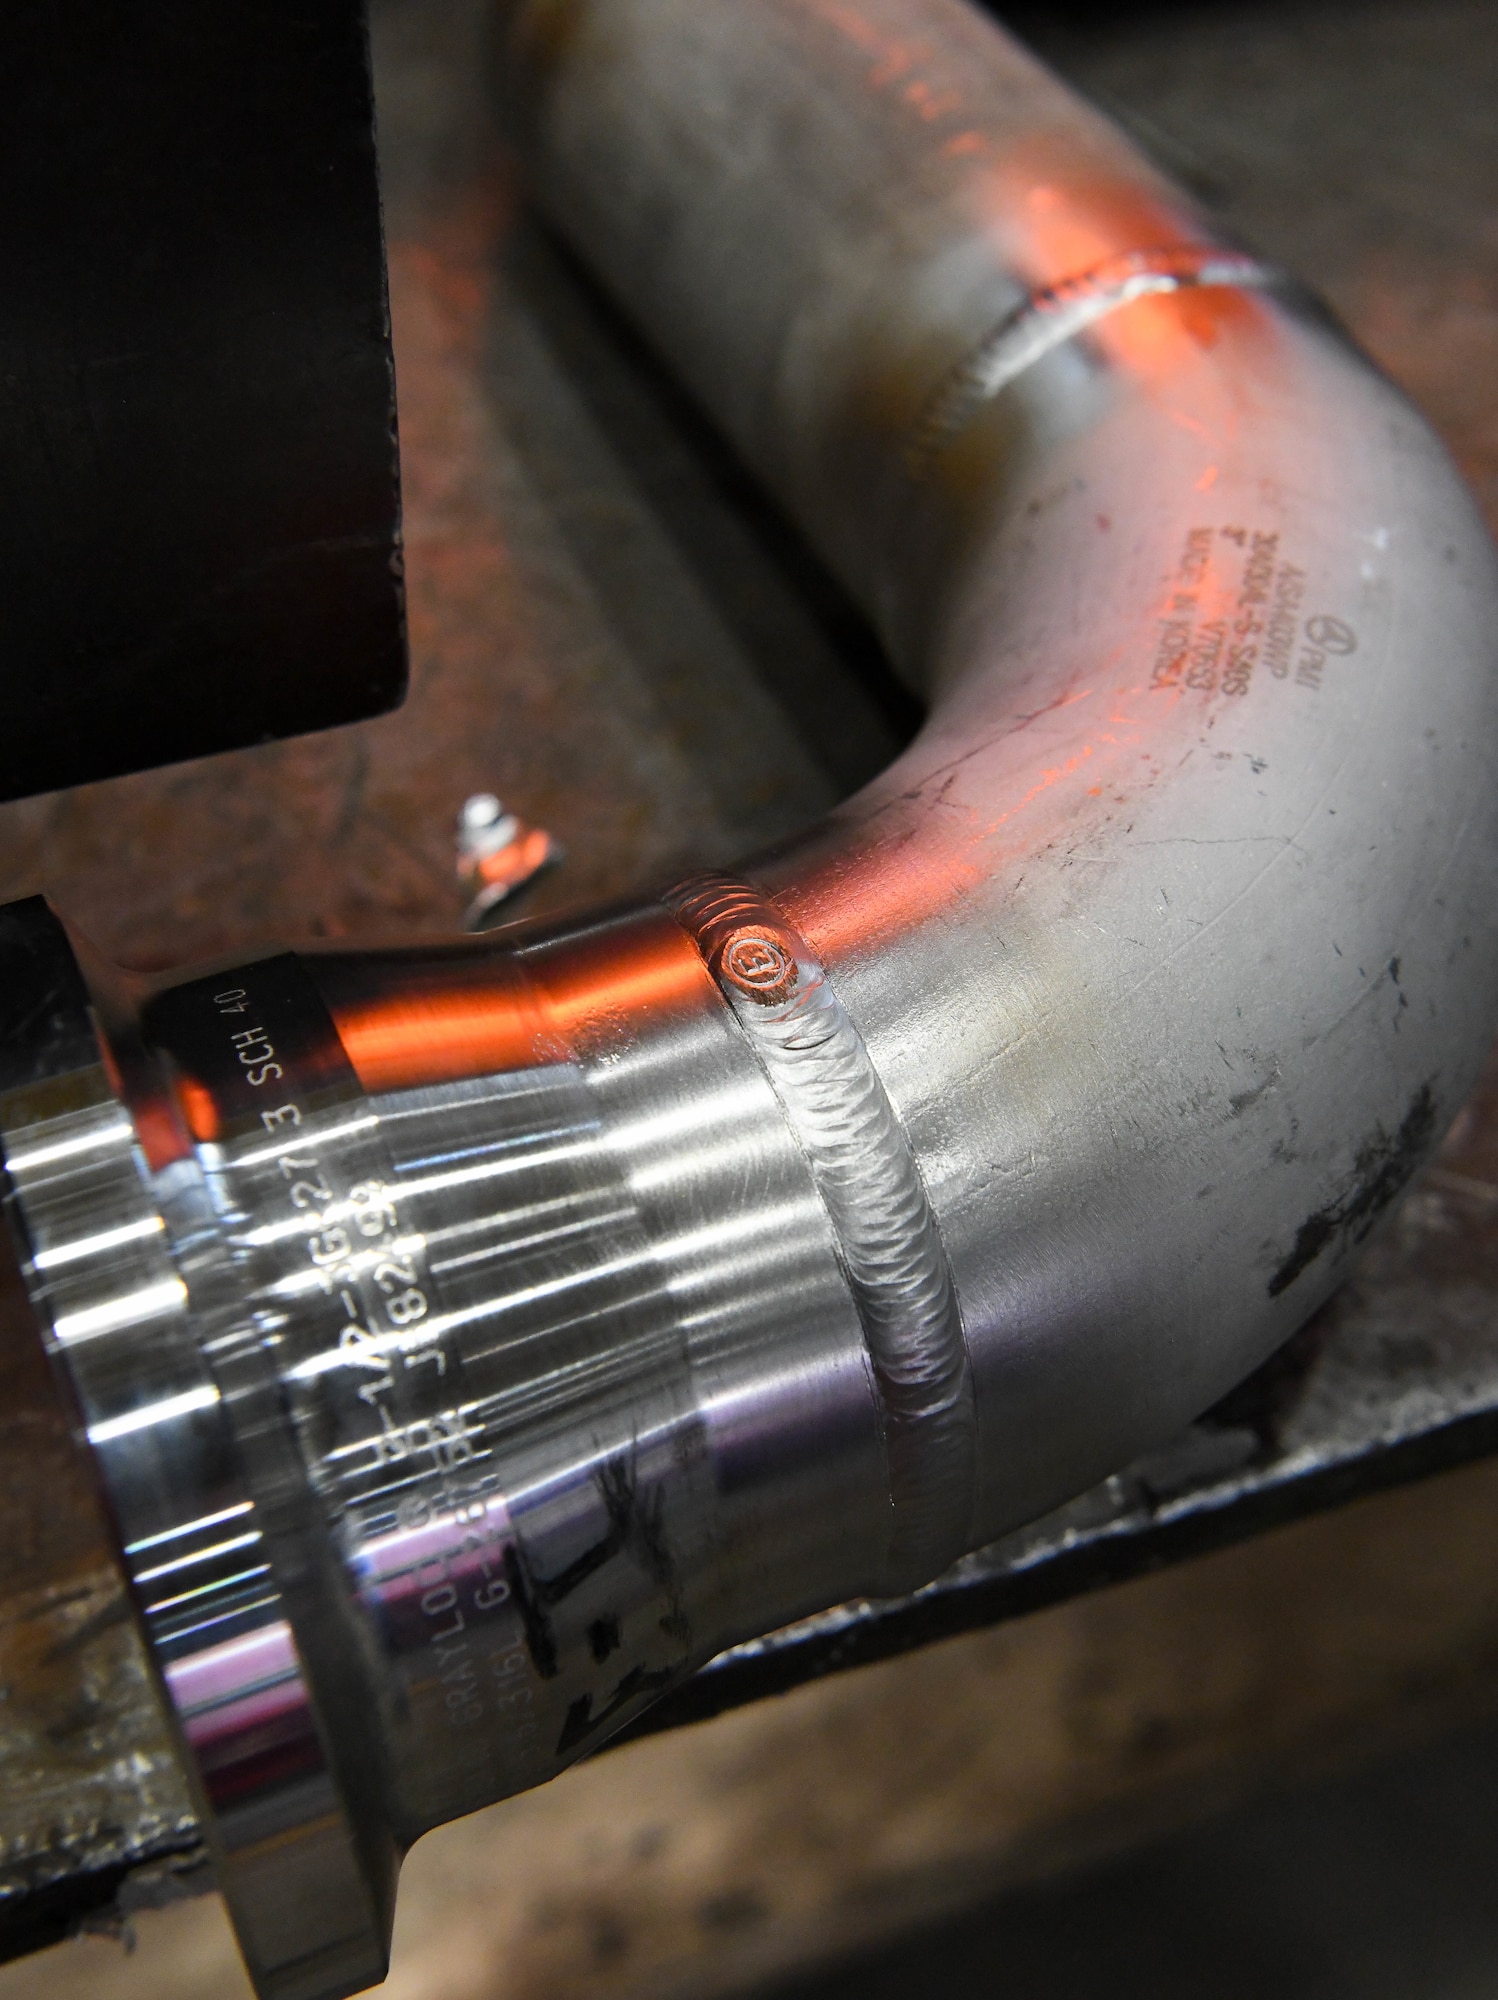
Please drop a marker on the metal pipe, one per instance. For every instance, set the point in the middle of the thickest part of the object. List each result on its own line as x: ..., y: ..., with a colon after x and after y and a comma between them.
x: 474, y: 1340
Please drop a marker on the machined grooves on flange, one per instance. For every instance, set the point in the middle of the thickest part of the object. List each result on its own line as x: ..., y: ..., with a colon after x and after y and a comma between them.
x: 887, y: 1236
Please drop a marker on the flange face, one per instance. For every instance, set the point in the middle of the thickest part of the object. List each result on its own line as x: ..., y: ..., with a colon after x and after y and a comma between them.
x: 106, y: 1280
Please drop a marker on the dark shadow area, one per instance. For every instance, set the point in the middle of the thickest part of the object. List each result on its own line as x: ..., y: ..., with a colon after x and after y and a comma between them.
x: 808, y: 642
x: 1374, y: 1887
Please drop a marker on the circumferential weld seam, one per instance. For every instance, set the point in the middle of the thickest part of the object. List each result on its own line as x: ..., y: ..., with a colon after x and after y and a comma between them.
x: 886, y: 1234
x: 1048, y: 319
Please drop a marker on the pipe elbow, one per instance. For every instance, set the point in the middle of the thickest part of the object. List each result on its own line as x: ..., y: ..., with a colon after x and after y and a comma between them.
x: 474, y: 1340
x: 1171, y: 935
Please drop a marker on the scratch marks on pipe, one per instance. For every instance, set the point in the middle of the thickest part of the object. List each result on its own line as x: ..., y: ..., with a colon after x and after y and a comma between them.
x: 942, y: 775
x: 1283, y: 841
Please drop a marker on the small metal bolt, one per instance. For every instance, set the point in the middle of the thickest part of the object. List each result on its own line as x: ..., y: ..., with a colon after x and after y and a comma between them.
x: 483, y: 809
x: 499, y: 856
x: 484, y: 826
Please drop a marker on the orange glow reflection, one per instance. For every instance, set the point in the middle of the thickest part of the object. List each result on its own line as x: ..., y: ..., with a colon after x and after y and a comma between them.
x: 653, y: 970
x: 198, y: 1109
x: 405, y: 1039
x: 487, y: 1015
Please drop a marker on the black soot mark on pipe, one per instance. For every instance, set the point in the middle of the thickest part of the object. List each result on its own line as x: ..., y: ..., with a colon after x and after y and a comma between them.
x: 1382, y: 1168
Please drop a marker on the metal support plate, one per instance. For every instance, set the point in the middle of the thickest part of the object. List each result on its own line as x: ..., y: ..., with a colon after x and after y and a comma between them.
x: 199, y: 507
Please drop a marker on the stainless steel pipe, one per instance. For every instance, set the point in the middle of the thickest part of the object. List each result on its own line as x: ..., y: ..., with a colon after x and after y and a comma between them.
x: 472, y: 1341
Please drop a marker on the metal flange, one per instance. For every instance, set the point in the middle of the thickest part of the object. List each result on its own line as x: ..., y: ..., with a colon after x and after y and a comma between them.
x: 306, y: 1885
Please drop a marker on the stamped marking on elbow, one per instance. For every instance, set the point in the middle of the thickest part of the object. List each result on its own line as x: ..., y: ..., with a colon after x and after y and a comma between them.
x: 1233, y: 604
x: 1325, y: 638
